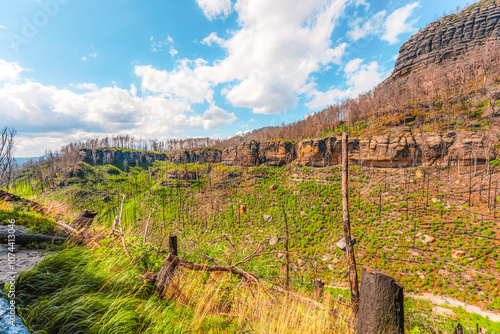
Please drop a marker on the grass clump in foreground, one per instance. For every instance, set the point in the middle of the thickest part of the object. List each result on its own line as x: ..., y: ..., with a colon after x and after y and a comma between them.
x: 80, y: 290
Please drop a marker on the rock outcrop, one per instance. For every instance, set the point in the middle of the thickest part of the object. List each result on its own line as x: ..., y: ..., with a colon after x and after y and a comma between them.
x: 450, y: 37
x: 114, y: 157
x: 198, y: 155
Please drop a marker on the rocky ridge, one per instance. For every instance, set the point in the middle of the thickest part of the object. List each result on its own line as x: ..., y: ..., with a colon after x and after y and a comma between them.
x: 450, y: 37
x: 398, y: 149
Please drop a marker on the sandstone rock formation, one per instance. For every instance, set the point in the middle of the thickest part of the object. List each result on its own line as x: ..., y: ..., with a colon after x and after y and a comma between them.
x: 198, y: 155
x: 450, y: 37
x: 114, y: 157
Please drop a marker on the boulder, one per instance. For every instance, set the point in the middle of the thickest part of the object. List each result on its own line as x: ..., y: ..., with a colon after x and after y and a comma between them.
x: 342, y: 244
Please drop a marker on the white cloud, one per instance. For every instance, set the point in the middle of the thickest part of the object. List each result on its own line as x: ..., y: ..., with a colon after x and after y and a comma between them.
x: 360, y: 78
x: 86, y: 86
x: 362, y: 3
x: 84, y: 58
x: 215, y: 8
x: 93, y: 55
x: 173, y: 51
x: 48, y: 115
x: 396, y: 24
x: 183, y: 82
x: 10, y: 72
x: 216, y: 117
x: 362, y: 28
x: 353, y: 65
x: 2, y: 26
x: 213, y: 38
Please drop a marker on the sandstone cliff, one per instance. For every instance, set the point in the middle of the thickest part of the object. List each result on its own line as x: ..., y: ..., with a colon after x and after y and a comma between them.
x: 450, y: 37
x: 114, y: 156
x: 198, y: 155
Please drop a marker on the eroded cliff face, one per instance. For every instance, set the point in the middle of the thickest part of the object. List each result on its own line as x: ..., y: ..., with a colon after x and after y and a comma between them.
x: 114, y: 157
x: 399, y: 149
x: 199, y: 155
x: 450, y: 37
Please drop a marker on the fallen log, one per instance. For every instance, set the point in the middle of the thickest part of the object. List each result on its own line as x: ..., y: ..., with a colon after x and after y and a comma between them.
x: 23, y: 239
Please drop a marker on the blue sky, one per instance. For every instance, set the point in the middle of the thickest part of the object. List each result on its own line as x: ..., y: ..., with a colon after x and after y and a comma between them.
x: 77, y: 69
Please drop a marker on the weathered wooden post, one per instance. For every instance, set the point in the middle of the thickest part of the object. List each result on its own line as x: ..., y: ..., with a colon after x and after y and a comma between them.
x: 353, y: 275
x: 166, y: 274
x: 381, y: 304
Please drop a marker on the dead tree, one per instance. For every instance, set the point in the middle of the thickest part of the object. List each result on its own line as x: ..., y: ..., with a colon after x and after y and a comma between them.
x: 6, y: 154
x: 381, y: 304
x: 353, y: 275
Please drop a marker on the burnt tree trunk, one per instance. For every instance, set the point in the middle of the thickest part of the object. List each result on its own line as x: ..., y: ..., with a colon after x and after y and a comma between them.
x: 166, y: 274
x: 319, y: 287
x: 381, y: 304
x: 84, y: 220
x: 353, y: 275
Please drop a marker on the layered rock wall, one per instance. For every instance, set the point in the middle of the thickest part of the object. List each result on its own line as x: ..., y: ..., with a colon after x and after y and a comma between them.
x: 399, y: 149
x: 114, y: 157
x: 450, y: 37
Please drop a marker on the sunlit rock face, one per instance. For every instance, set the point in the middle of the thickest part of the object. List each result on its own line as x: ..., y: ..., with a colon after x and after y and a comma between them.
x: 198, y: 155
x: 450, y: 37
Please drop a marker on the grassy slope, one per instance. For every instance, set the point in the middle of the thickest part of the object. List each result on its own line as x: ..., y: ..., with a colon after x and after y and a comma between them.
x: 205, y: 215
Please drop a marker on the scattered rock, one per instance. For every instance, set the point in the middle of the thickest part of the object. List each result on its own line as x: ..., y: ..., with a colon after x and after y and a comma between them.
x: 302, y: 213
x: 435, y: 200
x: 331, y: 266
x: 444, y: 312
x: 281, y: 255
x: 326, y: 257
x: 268, y: 218
x: 342, y: 244
x: 457, y: 254
x: 273, y: 241
x: 301, y: 263
x: 243, y: 209
x: 428, y: 239
x: 273, y: 187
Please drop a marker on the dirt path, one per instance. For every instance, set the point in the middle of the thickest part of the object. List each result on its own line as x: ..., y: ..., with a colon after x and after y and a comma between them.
x: 441, y: 300
x: 22, y: 259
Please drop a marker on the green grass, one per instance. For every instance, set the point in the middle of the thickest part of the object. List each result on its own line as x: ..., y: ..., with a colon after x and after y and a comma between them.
x: 37, y: 223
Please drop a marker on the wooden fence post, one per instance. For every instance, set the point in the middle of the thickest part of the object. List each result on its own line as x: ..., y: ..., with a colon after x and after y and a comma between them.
x: 166, y: 274
x: 381, y: 304
x: 353, y: 275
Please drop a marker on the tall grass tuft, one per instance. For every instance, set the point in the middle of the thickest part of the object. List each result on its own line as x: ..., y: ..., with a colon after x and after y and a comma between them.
x: 80, y: 290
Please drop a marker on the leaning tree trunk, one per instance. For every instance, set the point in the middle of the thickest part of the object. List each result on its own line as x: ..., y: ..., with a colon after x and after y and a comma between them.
x: 380, y: 304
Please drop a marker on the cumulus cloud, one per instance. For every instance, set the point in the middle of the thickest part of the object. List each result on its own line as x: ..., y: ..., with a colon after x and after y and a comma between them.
x: 10, y: 72
x: 270, y: 59
x: 213, y: 38
x: 396, y: 23
x: 2, y: 26
x: 56, y: 114
x: 215, y: 8
x: 360, y: 78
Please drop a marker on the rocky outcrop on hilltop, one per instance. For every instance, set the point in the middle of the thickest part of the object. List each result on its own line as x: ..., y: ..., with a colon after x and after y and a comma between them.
x: 114, y: 157
x: 453, y: 35
x: 197, y: 155
x: 399, y: 149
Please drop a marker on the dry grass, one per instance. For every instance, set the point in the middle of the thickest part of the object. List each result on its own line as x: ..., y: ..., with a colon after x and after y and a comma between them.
x: 256, y: 309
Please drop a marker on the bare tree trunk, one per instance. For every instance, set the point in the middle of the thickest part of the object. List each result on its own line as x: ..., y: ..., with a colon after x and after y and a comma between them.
x: 353, y: 275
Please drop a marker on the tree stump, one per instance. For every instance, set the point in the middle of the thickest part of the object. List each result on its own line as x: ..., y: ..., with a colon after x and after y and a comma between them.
x: 166, y: 274
x: 380, y: 304
x: 319, y: 287
x: 84, y: 220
